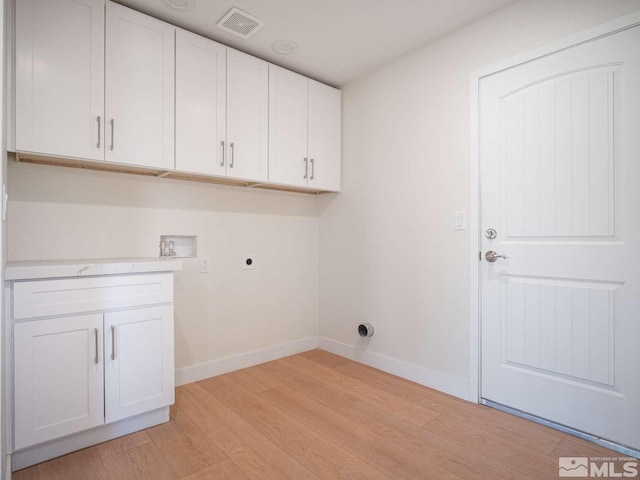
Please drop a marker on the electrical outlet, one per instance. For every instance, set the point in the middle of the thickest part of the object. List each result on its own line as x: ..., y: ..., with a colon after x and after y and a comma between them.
x: 248, y: 262
x: 204, y: 265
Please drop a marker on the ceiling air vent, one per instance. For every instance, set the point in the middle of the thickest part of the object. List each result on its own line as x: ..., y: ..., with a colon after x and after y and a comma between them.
x: 240, y: 23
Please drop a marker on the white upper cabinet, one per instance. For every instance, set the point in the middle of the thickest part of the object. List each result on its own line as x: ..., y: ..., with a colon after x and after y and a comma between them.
x: 95, y: 80
x: 59, y: 83
x: 325, y: 144
x: 247, y: 117
x: 288, y: 161
x: 200, y: 104
x: 139, y: 89
x: 304, y: 131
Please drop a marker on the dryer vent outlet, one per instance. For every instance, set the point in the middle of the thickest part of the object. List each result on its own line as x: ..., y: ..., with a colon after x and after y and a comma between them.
x: 365, y: 330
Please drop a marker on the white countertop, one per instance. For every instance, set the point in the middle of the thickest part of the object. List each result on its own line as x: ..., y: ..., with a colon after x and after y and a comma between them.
x: 88, y: 267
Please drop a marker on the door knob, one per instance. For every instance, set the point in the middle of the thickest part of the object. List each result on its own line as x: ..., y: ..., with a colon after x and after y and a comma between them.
x: 492, y: 256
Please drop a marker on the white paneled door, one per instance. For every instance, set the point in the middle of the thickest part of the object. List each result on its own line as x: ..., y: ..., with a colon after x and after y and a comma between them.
x: 560, y: 169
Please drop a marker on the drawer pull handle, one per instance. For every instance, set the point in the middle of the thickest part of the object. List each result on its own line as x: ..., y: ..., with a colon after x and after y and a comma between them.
x: 99, y: 129
x: 97, y: 360
x: 113, y: 342
x: 112, y: 128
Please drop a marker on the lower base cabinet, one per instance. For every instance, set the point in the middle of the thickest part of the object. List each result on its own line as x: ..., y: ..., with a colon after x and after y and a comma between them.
x: 79, y: 371
x: 76, y: 373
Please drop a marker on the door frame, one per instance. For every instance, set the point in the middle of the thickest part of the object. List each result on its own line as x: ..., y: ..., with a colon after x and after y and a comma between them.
x: 475, y: 245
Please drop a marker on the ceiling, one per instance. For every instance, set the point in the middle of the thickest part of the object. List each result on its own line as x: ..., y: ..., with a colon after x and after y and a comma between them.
x: 338, y: 40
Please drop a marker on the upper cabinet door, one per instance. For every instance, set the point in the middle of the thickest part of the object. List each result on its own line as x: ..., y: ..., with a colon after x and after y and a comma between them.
x: 247, y: 116
x: 288, y: 162
x: 201, y: 89
x: 324, y: 136
x: 60, y: 77
x: 139, y: 89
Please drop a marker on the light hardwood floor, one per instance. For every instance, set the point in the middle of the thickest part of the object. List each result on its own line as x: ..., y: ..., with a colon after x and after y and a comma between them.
x: 321, y: 416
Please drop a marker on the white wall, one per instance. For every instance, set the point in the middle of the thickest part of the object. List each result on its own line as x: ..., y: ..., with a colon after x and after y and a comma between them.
x: 62, y: 213
x: 383, y: 250
x: 388, y: 252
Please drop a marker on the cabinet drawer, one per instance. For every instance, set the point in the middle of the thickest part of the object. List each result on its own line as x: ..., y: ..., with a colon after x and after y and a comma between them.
x: 45, y: 298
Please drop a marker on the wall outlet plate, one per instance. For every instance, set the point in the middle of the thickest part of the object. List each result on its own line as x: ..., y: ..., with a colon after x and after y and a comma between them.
x: 248, y: 262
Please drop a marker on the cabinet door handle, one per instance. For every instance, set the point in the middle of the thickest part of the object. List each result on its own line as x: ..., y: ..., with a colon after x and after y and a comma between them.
x: 99, y: 132
x: 306, y: 167
x: 113, y: 342
x: 97, y: 360
x: 313, y: 169
x: 233, y: 155
x: 111, y: 123
x: 222, y: 158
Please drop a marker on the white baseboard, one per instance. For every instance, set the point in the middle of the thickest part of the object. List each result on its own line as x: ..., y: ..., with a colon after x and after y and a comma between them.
x: 243, y: 360
x: 429, y: 378
x: 79, y: 440
x: 453, y: 386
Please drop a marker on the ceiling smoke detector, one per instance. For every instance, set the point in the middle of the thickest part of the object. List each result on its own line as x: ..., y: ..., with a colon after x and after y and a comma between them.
x: 180, y: 5
x: 284, y: 47
x: 240, y: 23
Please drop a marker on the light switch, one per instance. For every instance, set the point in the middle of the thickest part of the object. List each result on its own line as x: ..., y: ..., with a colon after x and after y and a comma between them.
x: 460, y: 221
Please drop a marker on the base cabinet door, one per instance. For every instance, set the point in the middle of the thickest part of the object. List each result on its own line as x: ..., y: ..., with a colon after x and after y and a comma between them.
x: 58, y: 371
x: 139, y: 374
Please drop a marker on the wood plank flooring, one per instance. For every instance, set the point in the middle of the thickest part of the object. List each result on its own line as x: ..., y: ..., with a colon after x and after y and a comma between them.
x: 320, y: 416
